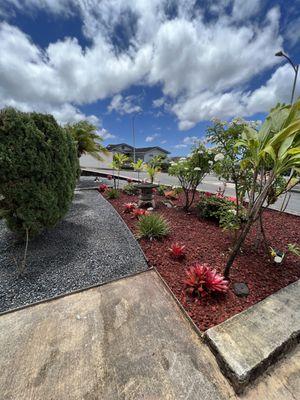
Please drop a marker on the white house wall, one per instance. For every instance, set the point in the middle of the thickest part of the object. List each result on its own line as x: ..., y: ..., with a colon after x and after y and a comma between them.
x: 87, y: 161
x: 152, y: 153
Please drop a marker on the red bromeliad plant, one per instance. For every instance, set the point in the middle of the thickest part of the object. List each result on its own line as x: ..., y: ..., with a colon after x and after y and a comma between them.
x: 177, y: 250
x: 129, y: 207
x: 201, y: 280
x: 102, y: 187
x: 138, y: 212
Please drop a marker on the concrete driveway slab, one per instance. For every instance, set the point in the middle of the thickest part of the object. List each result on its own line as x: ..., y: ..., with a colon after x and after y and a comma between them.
x: 249, y: 342
x: 124, y: 340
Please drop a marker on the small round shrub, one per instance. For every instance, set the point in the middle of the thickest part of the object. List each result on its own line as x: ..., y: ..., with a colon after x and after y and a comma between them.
x: 112, y: 193
x: 130, y: 189
x: 211, y: 207
x: 38, y: 171
x: 161, y: 190
x: 152, y: 226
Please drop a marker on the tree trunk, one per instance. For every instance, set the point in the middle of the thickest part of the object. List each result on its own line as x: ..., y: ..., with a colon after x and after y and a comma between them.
x: 252, y: 216
x: 237, y: 246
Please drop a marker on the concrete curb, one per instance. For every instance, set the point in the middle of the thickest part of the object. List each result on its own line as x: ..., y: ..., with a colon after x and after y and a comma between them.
x: 248, y: 343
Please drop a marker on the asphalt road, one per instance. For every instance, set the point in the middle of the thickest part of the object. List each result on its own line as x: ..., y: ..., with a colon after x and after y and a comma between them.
x: 210, y: 183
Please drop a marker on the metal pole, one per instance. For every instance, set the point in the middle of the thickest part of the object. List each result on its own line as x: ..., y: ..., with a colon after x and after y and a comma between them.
x: 295, y: 81
x: 133, y: 138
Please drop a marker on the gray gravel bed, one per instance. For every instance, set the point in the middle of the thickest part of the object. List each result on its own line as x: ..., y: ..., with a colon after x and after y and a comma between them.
x: 92, y: 245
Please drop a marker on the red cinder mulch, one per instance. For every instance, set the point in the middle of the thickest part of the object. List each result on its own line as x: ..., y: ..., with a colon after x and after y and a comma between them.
x: 207, y: 243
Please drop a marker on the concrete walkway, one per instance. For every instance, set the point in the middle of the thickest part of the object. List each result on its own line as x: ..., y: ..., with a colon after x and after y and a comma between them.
x: 125, y: 340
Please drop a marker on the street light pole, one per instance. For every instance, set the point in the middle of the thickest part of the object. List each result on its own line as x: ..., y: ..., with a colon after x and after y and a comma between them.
x: 133, y: 137
x: 295, y: 68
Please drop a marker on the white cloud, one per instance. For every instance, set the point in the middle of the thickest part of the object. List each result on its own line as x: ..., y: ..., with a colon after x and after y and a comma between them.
x: 244, y: 9
x: 123, y: 105
x: 150, y: 139
x: 180, y: 146
x: 190, y: 139
x: 158, y: 102
x: 105, y: 134
x: 204, y: 67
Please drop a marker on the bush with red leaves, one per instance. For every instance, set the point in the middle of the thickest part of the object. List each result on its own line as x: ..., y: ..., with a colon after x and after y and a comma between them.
x: 232, y: 199
x: 129, y: 207
x: 102, y: 187
x: 177, y: 250
x: 201, y: 280
x: 139, y: 212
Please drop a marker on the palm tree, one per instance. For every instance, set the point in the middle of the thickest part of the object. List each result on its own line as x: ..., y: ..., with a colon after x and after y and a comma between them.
x: 270, y: 153
x: 138, y: 167
x: 118, y: 162
x: 88, y: 141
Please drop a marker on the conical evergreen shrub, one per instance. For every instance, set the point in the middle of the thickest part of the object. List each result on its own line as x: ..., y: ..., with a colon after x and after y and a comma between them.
x: 38, y: 171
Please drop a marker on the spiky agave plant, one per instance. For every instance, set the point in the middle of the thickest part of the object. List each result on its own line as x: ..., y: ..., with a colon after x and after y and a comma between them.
x: 152, y: 226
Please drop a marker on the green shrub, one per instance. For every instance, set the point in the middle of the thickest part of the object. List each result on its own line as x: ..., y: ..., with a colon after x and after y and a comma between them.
x: 161, y: 190
x: 211, y: 207
x: 152, y: 226
x: 130, y: 189
x: 112, y: 193
x: 38, y: 171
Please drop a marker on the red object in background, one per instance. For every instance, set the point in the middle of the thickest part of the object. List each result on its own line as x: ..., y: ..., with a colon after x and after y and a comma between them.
x: 129, y: 180
x: 102, y: 187
x: 139, y: 211
x: 177, y: 250
x: 129, y: 207
x: 233, y: 199
x: 201, y: 280
x: 109, y: 177
x: 154, y: 190
x: 208, y: 194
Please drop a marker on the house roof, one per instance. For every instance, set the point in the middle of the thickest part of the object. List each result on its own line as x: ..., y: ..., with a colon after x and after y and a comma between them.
x: 113, y: 146
x: 145, y: 149
x: 137, y: 149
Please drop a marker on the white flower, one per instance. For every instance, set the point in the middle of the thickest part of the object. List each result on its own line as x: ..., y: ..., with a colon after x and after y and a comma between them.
x: 232, y: 211
x: 210, y: 162
x: 200, y: 151
x: 197, y: 169
x: 182, y: 159
x: 186, y: 168
x: 219, y: 157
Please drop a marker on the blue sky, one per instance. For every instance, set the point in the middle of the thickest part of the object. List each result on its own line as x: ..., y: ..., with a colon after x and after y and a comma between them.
x: 173, y: 64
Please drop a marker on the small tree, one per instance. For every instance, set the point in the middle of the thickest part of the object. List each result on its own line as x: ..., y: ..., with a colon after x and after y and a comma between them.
x: 138, y: 166
x: 87, y: 139
x: 269, y: 154
x: 224, y: 136
x: 118, y: 162
x: 152, y: 171
x: 190, y: 172
x: 38, y: 172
